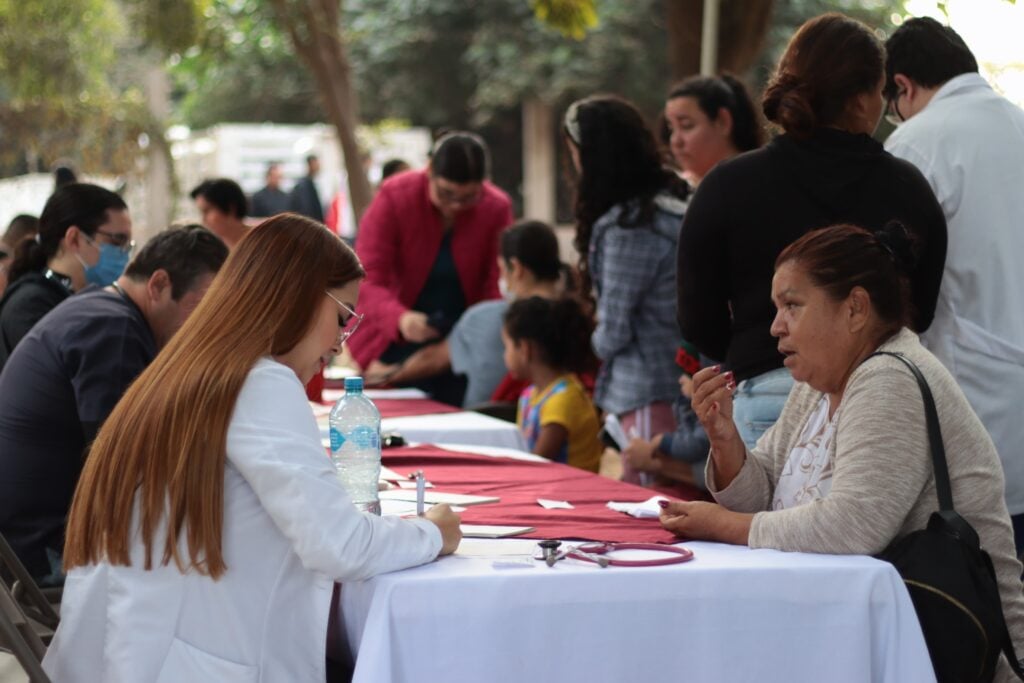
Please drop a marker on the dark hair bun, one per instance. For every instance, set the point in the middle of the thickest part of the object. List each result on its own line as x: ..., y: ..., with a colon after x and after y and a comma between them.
x: 787, y: 104
x: 897, y: 241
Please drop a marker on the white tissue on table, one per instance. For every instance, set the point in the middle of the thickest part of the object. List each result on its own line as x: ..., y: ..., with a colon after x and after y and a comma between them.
x: 649, y: 509
x: 555, y: 504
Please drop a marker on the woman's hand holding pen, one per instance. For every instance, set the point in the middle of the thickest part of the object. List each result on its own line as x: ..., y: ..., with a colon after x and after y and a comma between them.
x: 448, y: 522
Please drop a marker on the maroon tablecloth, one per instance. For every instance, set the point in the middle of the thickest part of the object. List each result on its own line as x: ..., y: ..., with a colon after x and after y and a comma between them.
x: 520, y: 483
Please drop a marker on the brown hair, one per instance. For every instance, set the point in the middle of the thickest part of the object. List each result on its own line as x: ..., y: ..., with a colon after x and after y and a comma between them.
x: 164, y: 444
x: 831, y: 59
x: 841, y: 257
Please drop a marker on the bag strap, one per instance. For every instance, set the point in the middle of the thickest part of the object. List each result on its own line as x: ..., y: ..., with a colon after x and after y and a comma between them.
x: 938, y: 449
x: 1009, y: 651
x: 942, y: 485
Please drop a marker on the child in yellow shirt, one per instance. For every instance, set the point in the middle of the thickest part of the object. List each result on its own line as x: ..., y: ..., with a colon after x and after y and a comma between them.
x: 546, y: 343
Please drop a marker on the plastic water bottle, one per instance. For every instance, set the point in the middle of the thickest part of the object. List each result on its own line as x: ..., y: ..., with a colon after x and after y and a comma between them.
x: 355, y: 445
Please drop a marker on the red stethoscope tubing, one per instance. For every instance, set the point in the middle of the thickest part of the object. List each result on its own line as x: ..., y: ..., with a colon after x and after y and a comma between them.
x: 677, y: 554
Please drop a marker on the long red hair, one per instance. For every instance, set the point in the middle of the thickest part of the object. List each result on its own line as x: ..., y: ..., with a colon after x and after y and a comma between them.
x: 163, y: 446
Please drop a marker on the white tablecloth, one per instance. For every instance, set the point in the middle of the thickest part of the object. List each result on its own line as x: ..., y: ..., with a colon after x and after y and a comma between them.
x: 471, y: 429
x: 731, y: 614
x: 463, y: 428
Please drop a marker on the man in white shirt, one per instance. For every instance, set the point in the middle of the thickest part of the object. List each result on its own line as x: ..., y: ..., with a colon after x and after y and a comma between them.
x: 968, y: 141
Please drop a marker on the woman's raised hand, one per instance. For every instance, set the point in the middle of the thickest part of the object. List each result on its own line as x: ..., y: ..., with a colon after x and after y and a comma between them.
x: 712, y: 402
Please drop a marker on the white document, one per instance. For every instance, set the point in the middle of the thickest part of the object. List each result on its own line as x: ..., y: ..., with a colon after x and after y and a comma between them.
x: 493, y: 530
x: 437, y: 497
x: 388, y: 474
x: 615, y: 431
x: 411, y: 484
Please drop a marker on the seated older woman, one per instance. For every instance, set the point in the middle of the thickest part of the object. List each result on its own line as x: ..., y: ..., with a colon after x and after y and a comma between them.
x: 847, y: 468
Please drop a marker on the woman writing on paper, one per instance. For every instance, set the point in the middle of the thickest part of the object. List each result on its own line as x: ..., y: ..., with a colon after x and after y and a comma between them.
x: 847, y: 468
x: 209, y: 527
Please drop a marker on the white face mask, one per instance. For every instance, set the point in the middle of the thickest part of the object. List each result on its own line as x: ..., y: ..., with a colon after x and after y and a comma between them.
x: 506, y: 293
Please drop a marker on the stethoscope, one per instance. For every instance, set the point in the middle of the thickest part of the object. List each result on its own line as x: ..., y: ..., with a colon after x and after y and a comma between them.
x: 598, y: 553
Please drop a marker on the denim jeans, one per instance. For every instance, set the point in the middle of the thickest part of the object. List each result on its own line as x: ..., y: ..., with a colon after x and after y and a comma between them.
x: 758, y: 402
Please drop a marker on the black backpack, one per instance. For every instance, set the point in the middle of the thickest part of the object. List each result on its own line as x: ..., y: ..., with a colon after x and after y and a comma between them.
x: 950, y: 578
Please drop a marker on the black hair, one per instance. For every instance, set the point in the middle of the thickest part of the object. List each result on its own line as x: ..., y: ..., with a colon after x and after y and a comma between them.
x: 393, y: 166
x: 310, y: 158
x: 460, y: 157
x: 926, y: 52
x: 21, y: 226
x: 186, y: 253
x: 841, y: 257
x: 223, y: 193
x: 829, y: 60
x: 533, y: 244
x: 619, y: 163
x: 81, y: 205
x: 63, y: 175
x: 558, y: 327
x: 723, y: 92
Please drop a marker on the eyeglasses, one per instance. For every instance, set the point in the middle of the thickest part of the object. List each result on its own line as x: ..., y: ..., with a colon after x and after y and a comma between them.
x: 119, y: 240
x: 892, y: 108
x: 449, y: 196
x: 344, y: 334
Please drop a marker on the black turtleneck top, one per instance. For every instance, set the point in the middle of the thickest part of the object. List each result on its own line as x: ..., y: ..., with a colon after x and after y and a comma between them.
x: 749, y: 208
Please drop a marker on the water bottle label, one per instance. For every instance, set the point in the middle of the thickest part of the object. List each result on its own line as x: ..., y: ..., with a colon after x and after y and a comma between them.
x: 337, y: 439
x: 365, y: 437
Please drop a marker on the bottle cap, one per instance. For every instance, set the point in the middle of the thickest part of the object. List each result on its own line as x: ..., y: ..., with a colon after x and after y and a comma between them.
x: 353, y: 385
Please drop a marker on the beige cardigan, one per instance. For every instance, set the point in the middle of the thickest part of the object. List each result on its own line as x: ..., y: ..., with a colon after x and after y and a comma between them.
x: 882, y: 484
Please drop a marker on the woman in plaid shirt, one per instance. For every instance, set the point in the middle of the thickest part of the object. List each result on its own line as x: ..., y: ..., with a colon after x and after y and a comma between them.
x: 629, y: 209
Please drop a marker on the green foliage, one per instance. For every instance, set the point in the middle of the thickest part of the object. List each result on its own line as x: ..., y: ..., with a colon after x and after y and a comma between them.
x: 447, y: 62
x: 169, y: 25
x: 55, y: 48
x: 790, y: 14
x: 241, y: 68
x: 57, y: 98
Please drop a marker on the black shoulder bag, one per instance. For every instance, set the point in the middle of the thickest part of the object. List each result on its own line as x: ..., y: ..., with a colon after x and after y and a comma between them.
x: 951, y: 580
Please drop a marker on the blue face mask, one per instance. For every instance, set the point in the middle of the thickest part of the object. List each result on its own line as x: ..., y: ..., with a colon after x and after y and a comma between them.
x: 110, y: 266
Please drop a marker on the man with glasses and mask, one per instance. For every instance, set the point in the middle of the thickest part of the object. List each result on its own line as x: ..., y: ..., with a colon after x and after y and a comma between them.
x: 68, y: 373
x: 968, y: 141
x: 429, y: 243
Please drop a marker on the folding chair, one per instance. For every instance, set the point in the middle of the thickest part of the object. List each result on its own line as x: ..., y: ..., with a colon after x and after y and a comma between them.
x: 18, y: 636
x: 24, y: 591
x: 36, y: 603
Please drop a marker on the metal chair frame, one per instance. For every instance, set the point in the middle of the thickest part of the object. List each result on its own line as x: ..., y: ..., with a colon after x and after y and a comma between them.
x: 24, y: 590
x: 19, y: 637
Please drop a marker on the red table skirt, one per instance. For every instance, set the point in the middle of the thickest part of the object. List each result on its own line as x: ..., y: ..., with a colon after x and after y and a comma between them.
x: 520, y: 483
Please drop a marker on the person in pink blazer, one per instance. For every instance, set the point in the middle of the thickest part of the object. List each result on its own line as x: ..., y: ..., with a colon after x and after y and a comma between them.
x: 429, y: 243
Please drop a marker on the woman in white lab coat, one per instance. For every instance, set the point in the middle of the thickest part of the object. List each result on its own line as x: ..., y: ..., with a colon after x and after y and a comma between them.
x: 208, y: 528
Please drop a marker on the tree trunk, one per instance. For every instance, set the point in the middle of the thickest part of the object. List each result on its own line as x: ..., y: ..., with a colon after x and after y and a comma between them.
x: 743, y: 26
x: 315, y: 31
x: 538, y: 160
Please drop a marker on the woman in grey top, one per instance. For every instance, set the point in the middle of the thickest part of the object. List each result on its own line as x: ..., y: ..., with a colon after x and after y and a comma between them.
x: 847, y: 468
